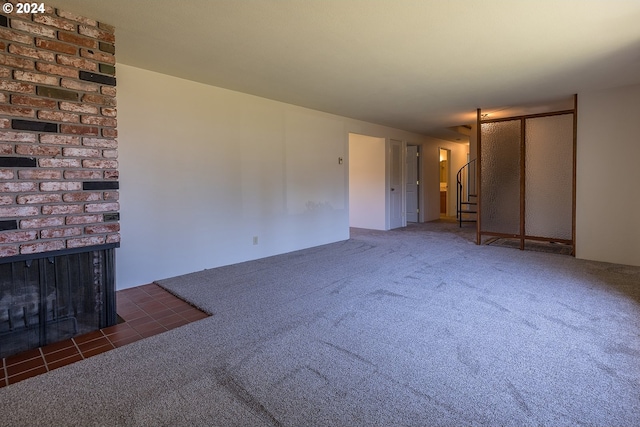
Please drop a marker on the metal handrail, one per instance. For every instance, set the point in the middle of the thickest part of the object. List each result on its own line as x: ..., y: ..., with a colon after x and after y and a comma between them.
x: 466, y: 186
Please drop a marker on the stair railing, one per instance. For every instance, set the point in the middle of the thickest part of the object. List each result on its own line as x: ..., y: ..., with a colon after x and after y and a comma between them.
x: 466, y: 189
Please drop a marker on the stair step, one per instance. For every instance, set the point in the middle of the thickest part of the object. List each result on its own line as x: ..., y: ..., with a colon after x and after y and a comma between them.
x: 463, y: 211
x: 468, y: 203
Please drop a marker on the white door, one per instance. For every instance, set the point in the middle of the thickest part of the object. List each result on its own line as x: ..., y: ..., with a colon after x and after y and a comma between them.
x: 396, y: 185
x: 412, y: 183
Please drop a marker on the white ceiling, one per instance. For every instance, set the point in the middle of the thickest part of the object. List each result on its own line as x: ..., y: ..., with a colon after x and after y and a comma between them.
x: 419, y: 65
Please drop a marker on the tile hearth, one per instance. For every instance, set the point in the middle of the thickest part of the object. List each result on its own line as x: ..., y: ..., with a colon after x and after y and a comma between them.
x: 145, y: 310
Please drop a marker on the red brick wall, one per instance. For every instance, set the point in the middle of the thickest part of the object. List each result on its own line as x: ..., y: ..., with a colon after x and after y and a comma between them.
x: 58, y: 147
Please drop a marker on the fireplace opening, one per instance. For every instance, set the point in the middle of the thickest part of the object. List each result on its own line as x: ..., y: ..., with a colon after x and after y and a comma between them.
x: 55, y: 296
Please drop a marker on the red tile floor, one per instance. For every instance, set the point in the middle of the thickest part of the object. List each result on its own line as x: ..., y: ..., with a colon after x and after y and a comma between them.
x: 146, y: 310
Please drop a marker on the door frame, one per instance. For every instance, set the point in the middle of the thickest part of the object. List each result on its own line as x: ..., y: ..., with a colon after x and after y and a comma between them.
x: 447, y: 177
x: 400, y: 201
x: 418, y: 178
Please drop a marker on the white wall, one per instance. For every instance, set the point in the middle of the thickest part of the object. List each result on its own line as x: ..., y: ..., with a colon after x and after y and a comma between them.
x: 608, y: 175
x: 203, y: 170
x: 367, y: 182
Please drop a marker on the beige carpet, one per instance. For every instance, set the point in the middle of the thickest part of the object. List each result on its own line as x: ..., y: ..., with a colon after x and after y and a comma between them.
x: 412, y: 327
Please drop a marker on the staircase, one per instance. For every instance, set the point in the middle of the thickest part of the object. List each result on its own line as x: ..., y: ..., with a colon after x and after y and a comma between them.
x: 466, y: 194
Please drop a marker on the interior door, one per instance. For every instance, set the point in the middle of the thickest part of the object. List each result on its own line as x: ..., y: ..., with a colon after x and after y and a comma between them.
x: 412, y: 183
x: 444, y: 180
x: 396, y: 185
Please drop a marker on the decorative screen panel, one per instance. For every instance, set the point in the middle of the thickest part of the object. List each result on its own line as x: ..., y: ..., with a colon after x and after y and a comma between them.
x: 549, y: 177
x: 500, y: 157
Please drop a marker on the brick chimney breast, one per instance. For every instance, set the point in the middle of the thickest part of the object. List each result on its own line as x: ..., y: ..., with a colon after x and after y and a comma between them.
x: 58, y: 127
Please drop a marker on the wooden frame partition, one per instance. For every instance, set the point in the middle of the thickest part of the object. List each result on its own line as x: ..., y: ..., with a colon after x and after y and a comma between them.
x: 479, y: 174
x: 482, y: 229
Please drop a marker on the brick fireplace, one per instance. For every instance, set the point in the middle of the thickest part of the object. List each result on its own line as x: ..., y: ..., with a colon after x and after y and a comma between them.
x: 59, y: 220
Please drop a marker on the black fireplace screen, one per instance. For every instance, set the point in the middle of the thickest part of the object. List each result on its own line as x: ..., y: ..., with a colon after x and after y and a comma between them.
x: 52, y: 298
